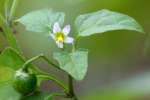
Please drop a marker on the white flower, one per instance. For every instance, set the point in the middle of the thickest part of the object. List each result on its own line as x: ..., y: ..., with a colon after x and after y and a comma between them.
x: 61, y: 35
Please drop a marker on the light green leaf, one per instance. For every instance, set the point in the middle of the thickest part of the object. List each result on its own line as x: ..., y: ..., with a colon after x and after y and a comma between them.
x: 6, y: 74
x: 75, y: 63
x: 41, y: 20
x: 10, y: 61
x: 10, y: 58
x: 103, y: 21
x: 8, y: 93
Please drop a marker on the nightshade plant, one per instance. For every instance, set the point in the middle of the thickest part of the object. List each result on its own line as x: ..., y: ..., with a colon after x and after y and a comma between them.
x: 22, y: 79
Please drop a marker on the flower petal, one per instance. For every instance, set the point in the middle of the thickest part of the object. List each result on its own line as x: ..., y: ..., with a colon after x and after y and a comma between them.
x: 68, y: 40
x: 53, y: 36
x: 59, y: 44
x: 66, y: 29
x: 56, y: 27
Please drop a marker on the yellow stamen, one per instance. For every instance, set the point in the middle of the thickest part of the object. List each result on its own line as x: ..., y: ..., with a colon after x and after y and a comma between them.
x: 60, y: 37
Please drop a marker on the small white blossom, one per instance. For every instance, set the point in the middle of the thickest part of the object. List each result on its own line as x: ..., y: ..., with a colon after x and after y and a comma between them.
x: 61, y: 35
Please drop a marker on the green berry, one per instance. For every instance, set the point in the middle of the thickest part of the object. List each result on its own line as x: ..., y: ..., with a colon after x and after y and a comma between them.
x: 24, y: 82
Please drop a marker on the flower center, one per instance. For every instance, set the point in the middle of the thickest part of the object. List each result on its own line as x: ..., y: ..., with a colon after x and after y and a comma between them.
x: 59, y: 37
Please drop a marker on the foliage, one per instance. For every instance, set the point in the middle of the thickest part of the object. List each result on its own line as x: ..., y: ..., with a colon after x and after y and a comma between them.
x: 74, y: 62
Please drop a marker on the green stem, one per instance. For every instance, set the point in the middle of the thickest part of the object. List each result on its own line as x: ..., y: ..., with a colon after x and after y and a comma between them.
x: 1, y: 29
x: 44, y: 75
x: 70, y: 85
x: 52, y: 78
x: 39, y: 71
x: 13, y: 9
x: 25, y: 66
x: 77, y: 39
x: 9, y: 34
x: 71, y: 88
x: 6, y: 6
x: 2, y: 20
x: 70, y: 79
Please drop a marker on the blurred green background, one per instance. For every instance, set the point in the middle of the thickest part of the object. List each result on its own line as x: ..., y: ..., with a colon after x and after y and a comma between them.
x: 119, y: 61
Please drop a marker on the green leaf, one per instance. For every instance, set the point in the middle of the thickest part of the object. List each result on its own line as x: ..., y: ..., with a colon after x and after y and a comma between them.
x: 6, y: 74
x: 10, y: 61
x: 103, y: 21
x: 10, y: 58
x: 75, y: 63
x: 8, y: 93
x: 41, y: 20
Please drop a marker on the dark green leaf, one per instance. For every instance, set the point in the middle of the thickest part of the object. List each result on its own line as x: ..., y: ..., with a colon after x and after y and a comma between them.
x: 75, y: 63
x: 103, y: 21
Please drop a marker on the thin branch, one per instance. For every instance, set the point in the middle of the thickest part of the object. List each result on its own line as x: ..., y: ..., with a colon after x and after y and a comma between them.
x: 9, y: 35
x: 13, y: 10
x: 38, y: 57
x: 71, y: 88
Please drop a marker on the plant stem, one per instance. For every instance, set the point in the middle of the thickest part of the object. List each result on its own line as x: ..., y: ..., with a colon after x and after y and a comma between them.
x: 2, y: 19
x: 25, y: 66
x: 43, y: 74
x: 72, y: 94
x: 8, y: 34
x: 6, y: 6
x: 71, y: 88
x: 77, y: 39
x: 70, y: 85
x: 12, y: 10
